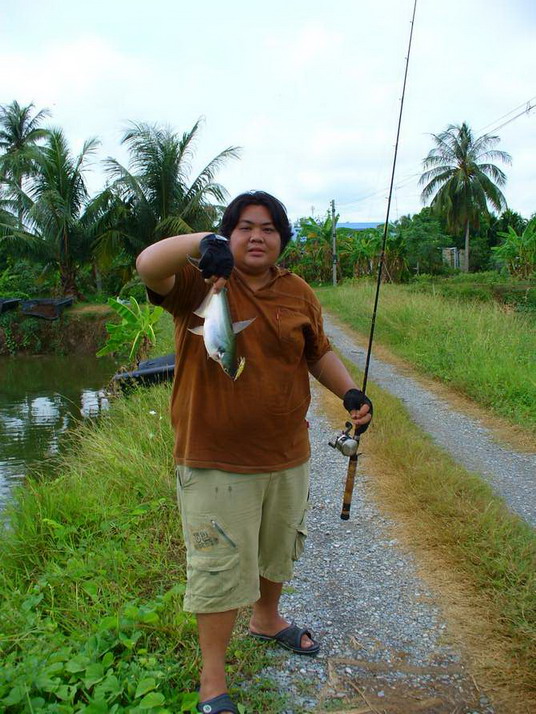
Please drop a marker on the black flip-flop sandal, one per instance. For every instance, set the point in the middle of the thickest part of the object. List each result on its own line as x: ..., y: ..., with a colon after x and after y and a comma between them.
x: 216, y: 705
x: 290, y: 638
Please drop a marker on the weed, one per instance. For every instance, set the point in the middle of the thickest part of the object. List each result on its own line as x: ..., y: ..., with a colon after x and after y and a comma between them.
x: 476, y: 348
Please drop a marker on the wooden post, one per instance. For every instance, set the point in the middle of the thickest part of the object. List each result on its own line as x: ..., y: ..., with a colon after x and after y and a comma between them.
x: 334, y: 242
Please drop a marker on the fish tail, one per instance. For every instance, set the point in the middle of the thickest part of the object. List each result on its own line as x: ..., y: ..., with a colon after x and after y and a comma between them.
x: 240, y: 368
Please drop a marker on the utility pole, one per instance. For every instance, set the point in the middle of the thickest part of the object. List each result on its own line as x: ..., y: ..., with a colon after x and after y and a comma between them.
x: 334, y: 242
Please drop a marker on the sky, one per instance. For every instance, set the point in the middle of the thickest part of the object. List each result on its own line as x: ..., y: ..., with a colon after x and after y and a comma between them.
x: 309, y: 89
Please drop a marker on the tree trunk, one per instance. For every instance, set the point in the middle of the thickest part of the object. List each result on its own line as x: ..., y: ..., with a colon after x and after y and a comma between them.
x: 98, y: 278
x: 466, y: 260
x: 68, y: 283
x: 19, y: 205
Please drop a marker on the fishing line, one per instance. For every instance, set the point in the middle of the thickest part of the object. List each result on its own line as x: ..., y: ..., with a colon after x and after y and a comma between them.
x: 386, y: 224
x: 342, y: 439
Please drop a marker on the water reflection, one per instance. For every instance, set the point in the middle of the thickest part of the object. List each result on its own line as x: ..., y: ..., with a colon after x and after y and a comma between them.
x: 41, y: 397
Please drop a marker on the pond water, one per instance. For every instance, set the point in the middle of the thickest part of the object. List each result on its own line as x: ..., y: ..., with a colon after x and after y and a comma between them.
x: 41, y: 397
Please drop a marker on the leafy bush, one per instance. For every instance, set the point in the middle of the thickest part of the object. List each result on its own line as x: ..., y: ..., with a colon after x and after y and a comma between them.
x: 136, y: 328
x: 134, y: 288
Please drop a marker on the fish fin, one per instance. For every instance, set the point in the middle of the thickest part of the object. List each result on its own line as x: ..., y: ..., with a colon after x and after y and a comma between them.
x: 240, y: 368
x: 202, y: 309
x: 239, y: 326
x: 199, y: 330
x: 193, y: 261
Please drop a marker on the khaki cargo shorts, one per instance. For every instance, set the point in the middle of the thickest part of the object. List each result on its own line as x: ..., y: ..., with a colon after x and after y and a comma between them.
x: 236, y: 528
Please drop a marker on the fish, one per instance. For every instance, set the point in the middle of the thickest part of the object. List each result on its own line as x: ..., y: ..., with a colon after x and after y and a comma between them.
x: 219, y: 332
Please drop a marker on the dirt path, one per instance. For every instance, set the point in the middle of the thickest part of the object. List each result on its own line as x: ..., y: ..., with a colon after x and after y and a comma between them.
x: 386, y: 644
x: 511, y: 473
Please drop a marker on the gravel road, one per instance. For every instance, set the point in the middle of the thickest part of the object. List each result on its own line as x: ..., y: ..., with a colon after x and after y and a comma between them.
x: 385, y: 643
x: 511, y: 474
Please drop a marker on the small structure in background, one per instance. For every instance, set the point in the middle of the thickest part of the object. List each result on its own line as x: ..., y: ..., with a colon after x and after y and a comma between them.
x: 454, y: 257
x: 47, y: 308
x: 150, y: 371
x: 8, y: 304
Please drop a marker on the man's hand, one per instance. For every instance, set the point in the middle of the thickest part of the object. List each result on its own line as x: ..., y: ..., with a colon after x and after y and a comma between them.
x: 360, y: 408
x: 216, y: 261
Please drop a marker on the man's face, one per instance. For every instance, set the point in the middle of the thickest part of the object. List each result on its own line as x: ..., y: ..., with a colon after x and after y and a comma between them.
x: 255, y: 241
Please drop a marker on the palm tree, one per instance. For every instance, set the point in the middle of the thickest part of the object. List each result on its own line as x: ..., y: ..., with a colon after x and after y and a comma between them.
x: 20, y: 132
x: 57, y: 230
x: 460, y: 180
x: 153, y: 198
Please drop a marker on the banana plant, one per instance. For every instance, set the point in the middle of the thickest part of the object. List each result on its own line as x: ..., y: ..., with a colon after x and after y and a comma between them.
x: 135, y: 329
x: 518, y: 250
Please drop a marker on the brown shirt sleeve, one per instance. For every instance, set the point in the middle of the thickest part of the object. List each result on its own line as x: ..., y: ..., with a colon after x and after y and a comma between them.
x: 186, y: 294
x: 316, y: 342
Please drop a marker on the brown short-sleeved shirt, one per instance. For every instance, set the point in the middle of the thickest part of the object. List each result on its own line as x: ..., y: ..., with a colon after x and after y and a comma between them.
x: 256, y: 423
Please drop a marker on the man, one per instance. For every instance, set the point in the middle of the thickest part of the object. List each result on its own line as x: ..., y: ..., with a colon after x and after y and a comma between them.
x: 241, y: 447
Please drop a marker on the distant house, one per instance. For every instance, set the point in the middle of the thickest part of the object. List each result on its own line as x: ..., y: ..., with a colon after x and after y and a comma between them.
x: 359, y: 226
x: 453, y: 257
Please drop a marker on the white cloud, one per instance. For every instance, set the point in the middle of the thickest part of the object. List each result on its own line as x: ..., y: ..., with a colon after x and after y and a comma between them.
x: 309, y: 90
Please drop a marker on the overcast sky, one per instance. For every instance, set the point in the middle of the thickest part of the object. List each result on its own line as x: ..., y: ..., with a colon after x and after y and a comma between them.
x: 309, y: 89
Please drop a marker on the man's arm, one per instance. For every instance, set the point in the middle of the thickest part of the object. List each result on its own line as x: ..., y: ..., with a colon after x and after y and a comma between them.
x: 158, y: 263
x: 331, y: 372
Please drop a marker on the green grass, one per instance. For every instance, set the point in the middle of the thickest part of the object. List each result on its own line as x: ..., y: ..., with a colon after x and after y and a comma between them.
x: 93, y: 573
x: 477, y: 348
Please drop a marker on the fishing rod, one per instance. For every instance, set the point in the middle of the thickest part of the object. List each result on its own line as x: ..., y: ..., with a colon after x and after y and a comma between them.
x: 349, y: 445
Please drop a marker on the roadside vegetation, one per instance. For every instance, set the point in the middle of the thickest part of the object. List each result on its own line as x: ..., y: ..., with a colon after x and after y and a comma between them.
x: 475, y: 347
x: 475, y: 554
x: 93, y: 575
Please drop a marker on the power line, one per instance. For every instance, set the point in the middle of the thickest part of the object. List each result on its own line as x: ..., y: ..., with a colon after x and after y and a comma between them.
x: 400, y: 184
x: 527, y: 108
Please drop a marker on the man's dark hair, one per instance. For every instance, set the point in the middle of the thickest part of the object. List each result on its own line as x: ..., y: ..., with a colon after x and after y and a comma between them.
x: 276, y: 209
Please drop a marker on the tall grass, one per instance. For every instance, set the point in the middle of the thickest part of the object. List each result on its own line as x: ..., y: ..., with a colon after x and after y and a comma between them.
x: 92, y: 577
x: 478, y: 348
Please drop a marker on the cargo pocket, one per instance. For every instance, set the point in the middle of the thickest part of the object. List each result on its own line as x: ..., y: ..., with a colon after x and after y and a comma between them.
x: 301, y: 535
x: 183, y: 475
x: 212, y: 577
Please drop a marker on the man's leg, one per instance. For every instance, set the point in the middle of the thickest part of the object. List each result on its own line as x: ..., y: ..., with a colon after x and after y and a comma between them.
x: 266, y: 619
x: 215, y: 631
x: 285, y: 503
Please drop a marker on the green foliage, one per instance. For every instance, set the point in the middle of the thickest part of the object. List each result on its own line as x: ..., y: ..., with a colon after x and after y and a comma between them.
x: 109, y: 670
x: 460, y: 179
x: 134, y: 288
x: 487, y: 286
x: 47, y: 215
x: 153, y: 198
x: 468, y: 344
x: 136, y: 328
x: 20, y: 134
x: 518, y: 250
x: 93, y: 571
x: 9, y: 284
x: 54, y: 230
x: 423, y: 237
x: 412, y: 244
x: 19, y: 333
x: 26, y: 279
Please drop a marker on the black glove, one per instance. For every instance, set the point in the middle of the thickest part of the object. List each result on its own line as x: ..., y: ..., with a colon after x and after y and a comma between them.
x: 354, y: 399
x: 216, y: 257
